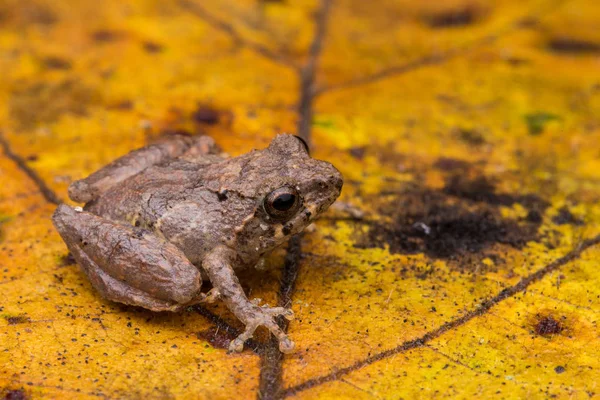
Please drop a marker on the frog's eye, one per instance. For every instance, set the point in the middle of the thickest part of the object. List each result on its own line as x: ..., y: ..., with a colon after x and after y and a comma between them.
x: 282, y: 203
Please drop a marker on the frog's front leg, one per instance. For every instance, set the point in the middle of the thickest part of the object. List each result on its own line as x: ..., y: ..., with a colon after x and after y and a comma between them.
x: 129, y: 265
x: 217, y: 265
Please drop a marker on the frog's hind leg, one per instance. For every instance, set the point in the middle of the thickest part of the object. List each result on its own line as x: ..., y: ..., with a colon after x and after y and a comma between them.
x: 90, y: 188
x: 127, y: 264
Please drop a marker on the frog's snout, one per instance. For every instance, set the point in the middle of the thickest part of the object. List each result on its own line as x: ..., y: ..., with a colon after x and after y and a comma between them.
x: 336, y: 181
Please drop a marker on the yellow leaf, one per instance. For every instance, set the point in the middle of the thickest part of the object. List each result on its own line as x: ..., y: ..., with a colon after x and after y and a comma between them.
x: 462, y: 263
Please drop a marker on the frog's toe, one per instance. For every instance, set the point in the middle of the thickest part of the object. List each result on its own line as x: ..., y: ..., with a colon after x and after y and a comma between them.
x: 285, y: 344
x: 284, y: 312
x: 265, y: 316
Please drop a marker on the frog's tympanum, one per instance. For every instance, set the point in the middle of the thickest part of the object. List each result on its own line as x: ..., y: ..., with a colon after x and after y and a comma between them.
x: 160, y: 220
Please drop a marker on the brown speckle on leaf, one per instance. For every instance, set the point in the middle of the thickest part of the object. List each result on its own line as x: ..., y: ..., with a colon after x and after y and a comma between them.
x: 451, y: 164
x: 570, y: 45
x: 152, y: 47
x: 16, y: 394
x: 105, y: 35
x: 358, y: 152
x: 565, y: 217
x: 548, y: 326
x: 124, y: 105
x: 453, y: 18
x: 472, y: 137
x: 54, y: 62
x: 17, y: 319
x: 206, y: 115
x: 216, y: 338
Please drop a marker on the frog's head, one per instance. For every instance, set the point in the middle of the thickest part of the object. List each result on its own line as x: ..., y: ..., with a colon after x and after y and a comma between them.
x: 290, y: 189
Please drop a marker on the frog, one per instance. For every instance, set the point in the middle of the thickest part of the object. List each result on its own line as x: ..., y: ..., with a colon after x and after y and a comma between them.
x: 160, y: 221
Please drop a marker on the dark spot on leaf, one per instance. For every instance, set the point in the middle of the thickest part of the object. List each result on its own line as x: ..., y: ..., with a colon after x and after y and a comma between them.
x: 517, y: 61
x: 206, y: 115
x: 358, y: 152
x: 41, y: 102
x: 547, y: 326
x: 54, y: 62
x: 453, y: 18
x: 570, y: 45
x: 32, y: 157
x: 564, y: 217
x: 26, y: 13
x: 17, y: 319
x: 451, y: 164
x: 17, y: 394
x: 537, y: 121
x: 528, y: 22
x: 460, y: 222
x: 152, y: 47
x: 106, y: 36
x: 481, y: 189
x: 124, y: 105
x: 560, y: 369
x: 471, y: 137
x: 217, y: 338
x: 534, y: 216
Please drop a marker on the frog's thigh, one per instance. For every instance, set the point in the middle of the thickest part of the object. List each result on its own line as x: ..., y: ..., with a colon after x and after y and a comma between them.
x: 115, y: 290
x: 127, y: 264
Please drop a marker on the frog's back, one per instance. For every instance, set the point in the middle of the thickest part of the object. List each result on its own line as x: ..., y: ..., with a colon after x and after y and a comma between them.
x: 142, y: 199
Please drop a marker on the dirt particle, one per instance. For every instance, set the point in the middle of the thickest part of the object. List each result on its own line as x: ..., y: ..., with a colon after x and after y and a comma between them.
x: 472, y: 137
x: 548, y: 326
x: 152, y: 47
x: 107, y: 36
x: 451, y: 164
x: 560, y: 369
x: 206, y: 115
x: 570, y: 45
x: 453, y: 18
x: 565, y: 217
x: 17, y: 319
x: 16, y: 394
x: 358, y: 152
x: 54, y: 62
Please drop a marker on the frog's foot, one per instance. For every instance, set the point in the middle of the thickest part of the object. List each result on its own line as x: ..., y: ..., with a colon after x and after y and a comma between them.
x: 256, y: 316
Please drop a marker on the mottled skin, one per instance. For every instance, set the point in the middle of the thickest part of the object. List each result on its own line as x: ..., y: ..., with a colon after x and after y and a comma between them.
x: 163, y: 218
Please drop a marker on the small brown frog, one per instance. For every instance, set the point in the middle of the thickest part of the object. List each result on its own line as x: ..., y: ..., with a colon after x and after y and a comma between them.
x: 160, y: 220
